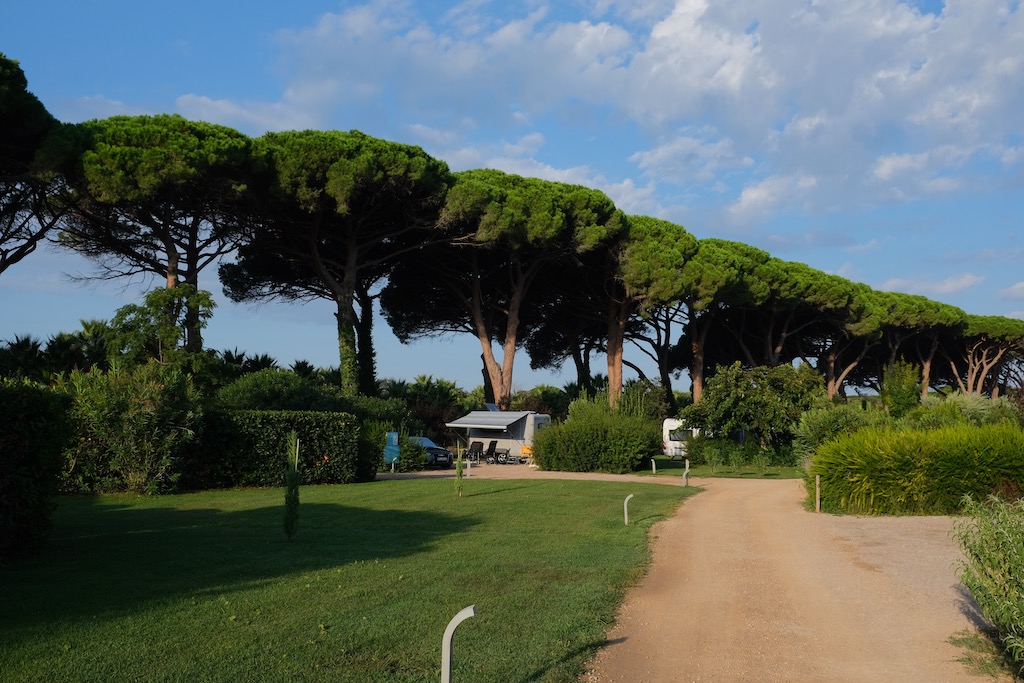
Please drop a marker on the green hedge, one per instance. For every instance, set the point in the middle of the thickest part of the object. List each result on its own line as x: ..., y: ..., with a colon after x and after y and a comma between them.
x: 35, y: 431
x: 248, y: 448
x: 600, y: 443
x: 912, y: 471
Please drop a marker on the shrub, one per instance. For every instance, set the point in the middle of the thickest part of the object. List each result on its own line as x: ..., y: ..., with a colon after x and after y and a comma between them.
x: 243, y: 448
x: 764, y: 401
x: 602, y: 442
x: 911, y: 471
x: 821, y: 424
x: 272, y: 389
x: 901, y: 388
x: 35, y: 431
x: 961, y: 409
x: 133, y: 425
x: 991, y: 536
x: 291, y: 487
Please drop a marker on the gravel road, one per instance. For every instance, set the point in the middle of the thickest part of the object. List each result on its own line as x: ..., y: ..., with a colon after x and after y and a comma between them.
x: 745, y: 585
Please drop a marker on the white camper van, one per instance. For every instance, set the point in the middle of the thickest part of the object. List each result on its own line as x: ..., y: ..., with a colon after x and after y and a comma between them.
x: 674, y: 437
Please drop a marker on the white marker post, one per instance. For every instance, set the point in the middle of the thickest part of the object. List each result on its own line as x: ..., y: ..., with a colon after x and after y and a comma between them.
x: 654, y: 467
x: 625, y: 508
x: 686, y: 472
x: 446, y: 643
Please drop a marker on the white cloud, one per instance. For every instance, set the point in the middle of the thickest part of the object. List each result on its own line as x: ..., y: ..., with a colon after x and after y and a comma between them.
x: 870, y: 245
x: 849, y: 271
x: 1015, y: 291
x: 687, y: 157
x: 640, y: 200
x: 871, y: 102
x: 253, y: 117
x: 761, y: 198
x: 95, y: 107
x: 951, y: 285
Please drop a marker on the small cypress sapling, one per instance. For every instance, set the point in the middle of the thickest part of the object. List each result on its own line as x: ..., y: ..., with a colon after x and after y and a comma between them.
x: 458, y: 475
x: 291, y: 492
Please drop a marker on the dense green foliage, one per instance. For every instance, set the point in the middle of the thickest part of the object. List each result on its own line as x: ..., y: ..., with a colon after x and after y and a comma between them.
x: 35, y: 431
x: 763, y: 402
x: 828, y: 421
x: 913, y: 471
x: 991, y: 535
x: 901, y: 388
x: 962, y: 409
x: 134, y: 425
x: 245, y: 447
x: 204, y: 587
x: 25, y: 187
x: 714, y: 451
x: 272, y: 389
x: 596, y: 438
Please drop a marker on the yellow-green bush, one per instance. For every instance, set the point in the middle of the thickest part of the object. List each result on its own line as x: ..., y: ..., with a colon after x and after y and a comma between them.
x: 912, y: 471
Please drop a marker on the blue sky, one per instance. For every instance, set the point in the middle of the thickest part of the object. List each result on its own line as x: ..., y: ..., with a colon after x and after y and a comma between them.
x: 876, y: 139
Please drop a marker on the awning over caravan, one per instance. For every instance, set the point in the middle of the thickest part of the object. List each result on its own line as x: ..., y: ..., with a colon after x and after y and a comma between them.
x: 486, y: 419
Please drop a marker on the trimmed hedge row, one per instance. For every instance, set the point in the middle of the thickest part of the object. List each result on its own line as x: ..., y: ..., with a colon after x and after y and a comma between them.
x: 35, y: 431
x: 600, y: 443
x: 249, y: 448
x: 911, y: 471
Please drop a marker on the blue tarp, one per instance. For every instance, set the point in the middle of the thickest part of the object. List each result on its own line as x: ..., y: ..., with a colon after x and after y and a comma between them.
x: 391, y: 448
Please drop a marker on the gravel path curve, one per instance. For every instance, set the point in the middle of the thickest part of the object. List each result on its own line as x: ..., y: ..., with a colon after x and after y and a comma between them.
x: 745, y: 585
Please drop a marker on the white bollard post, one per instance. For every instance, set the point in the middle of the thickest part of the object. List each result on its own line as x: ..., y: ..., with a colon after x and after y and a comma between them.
x: 686, y: 472
x: 654, y: 467
x: 446, y: 643
x: 625, y: 509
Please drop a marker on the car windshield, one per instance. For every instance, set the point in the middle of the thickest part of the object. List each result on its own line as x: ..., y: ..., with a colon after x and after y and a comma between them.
x: 423, y: 441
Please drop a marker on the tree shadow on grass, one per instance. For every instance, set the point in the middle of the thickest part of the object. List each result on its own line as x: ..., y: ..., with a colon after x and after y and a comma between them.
x: 108, y: 559
x: 587, y: 649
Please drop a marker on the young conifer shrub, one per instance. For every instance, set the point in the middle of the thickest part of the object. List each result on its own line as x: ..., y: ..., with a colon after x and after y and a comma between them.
x: 291, y: 491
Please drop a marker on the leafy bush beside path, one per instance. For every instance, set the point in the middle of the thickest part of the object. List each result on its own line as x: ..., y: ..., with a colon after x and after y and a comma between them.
x: 991, y: 535
x: 912, y: 471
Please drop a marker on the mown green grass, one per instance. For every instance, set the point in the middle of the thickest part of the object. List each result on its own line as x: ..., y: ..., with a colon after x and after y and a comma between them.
x: 205, y: 587
x: 674, y: 468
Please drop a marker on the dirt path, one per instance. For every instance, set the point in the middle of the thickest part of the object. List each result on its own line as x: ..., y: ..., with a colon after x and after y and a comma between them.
x: 745, y: 585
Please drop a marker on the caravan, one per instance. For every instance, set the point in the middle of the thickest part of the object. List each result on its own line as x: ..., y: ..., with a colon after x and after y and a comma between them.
x: 674, y: 437
x: 512, y: 431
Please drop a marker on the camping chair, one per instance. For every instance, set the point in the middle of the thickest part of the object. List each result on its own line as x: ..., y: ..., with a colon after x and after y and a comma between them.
x: 489, y: 455
x: 476, y: 449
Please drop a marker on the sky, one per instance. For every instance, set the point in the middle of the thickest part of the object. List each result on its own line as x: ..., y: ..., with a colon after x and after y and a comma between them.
x: 880, y: 140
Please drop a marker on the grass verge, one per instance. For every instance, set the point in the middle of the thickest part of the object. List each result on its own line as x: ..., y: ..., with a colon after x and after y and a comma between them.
x: 674, y: 468
x: 206, y: 587
x: 984, y: 657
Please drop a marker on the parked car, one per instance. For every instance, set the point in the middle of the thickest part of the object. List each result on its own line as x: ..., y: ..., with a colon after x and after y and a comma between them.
x: 436, y: 455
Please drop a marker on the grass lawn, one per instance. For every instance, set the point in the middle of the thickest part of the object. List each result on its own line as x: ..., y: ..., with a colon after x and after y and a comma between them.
x: 206, y: 587
x: 674, y: 468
